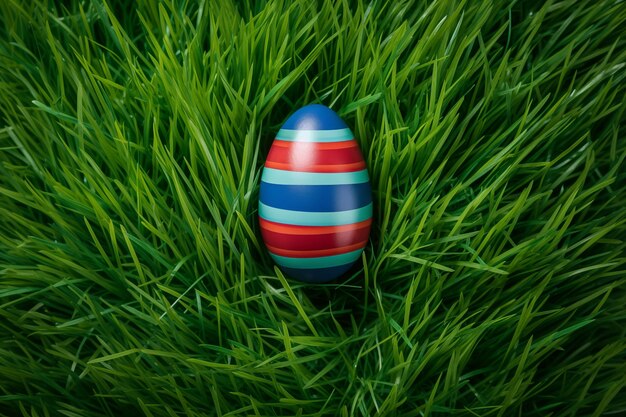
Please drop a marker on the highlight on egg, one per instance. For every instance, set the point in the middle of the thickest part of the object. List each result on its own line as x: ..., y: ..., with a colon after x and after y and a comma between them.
x: 315, y: 202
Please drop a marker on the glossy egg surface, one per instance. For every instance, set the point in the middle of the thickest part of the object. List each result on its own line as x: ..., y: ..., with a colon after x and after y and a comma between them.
x: 315, y: 202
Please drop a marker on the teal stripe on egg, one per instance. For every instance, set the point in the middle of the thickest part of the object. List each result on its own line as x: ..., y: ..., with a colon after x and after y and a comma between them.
x: 279, y: 176
x: 306, y: 218
x: 321, y: 262
x: 336, y: 135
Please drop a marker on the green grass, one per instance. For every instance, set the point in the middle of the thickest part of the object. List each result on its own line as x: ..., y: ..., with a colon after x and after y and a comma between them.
x: 133, y: 280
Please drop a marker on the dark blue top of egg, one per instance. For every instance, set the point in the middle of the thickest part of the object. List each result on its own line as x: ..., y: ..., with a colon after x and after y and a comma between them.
x: 314, y: 117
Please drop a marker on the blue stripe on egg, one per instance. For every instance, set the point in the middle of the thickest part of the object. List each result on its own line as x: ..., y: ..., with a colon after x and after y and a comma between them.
x: 316, y: 198
x: 316, y: 274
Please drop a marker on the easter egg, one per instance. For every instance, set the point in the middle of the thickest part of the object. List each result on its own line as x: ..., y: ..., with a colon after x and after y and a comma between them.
x: 315, y: 201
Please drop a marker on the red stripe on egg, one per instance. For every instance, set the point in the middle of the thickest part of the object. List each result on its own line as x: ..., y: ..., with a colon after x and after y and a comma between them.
x: 356, y: 166
x: 315, y: 253
x: 303, y: 154
x: 291, y: 229
x: 326, y: 239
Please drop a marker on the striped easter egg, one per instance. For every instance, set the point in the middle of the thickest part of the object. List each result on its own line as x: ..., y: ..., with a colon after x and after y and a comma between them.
x: 315, y: 202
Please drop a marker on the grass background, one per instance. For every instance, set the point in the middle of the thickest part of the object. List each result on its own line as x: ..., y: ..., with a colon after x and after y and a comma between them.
x: 133, y: 280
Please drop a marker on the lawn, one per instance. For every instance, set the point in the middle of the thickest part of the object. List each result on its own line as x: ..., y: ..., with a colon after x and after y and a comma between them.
x: 133, y: 277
